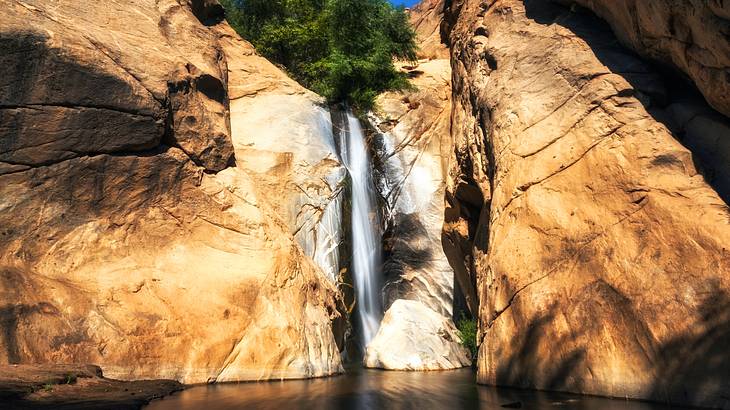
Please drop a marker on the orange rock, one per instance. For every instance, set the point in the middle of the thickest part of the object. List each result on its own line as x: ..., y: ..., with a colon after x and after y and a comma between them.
x: 599, y: 251
x: 132, y: 236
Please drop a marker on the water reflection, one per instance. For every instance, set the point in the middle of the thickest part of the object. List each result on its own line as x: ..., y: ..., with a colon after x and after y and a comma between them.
x: 365, y: 389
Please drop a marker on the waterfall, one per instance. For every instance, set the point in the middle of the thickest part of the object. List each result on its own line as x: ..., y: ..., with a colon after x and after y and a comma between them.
x: 366, y: 246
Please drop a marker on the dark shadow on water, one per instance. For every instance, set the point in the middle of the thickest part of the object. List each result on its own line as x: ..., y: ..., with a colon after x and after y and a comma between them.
x: 366, y: 389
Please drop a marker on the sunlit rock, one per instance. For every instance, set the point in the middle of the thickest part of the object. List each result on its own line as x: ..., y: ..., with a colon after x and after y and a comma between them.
x: 412, y: 146
x: 414, y: 337
x: 689, y: 35
x: 598, y: 242
x: 154, y: 220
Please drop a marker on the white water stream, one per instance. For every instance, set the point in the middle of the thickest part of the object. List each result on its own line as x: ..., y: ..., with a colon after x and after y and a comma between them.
x: 366, y: 247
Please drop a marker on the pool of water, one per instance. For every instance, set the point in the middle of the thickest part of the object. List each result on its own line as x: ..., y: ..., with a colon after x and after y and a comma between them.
x: 377, y: 389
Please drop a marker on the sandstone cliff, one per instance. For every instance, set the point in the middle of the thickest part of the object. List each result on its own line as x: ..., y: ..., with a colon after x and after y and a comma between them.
x: 690, y: 35
x: 158, y: 216
x: 413, y: 133
x: 598, y: 242
x: 426, y: 18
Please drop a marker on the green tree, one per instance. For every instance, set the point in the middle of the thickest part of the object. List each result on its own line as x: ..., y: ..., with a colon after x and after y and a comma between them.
x: 341, y: 49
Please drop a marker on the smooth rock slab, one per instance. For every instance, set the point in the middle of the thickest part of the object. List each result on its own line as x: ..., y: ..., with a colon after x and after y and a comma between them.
x: 414, y: 337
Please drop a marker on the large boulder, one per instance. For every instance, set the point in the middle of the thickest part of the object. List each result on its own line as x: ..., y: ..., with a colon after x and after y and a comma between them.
x: 414, y: 337
x: 140, y: 229
x: 600, y: 251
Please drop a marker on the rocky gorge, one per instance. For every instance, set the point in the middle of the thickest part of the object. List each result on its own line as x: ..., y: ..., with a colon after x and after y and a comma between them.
x: 174, y: 206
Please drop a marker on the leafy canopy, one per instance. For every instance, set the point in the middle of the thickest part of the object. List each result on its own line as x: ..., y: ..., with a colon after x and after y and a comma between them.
x: 341, y: 49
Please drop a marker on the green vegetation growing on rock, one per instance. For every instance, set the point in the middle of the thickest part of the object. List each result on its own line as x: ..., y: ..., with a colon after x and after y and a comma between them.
x: 468, y: 333
x: 341, y: 49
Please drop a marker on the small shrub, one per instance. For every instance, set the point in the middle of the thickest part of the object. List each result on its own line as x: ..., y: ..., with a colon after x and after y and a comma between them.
x: 468, y: 333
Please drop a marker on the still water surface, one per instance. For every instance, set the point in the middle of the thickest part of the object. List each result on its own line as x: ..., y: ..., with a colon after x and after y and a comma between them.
x: 365, y: 389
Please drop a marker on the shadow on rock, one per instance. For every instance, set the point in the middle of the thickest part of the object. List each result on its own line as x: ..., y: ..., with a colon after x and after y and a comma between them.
x: 667, y: 94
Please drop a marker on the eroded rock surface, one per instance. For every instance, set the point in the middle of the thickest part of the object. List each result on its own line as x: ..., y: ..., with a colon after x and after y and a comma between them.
x: 140, y: 227
x: 414, y: 337
x: 413, y: 130
x: 282, y: 135
x: 690, y: 35
x: 599, y: 250
x: 426, y: 18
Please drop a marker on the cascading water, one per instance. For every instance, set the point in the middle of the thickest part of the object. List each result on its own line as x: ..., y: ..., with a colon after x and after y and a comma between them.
x: 366, y: 247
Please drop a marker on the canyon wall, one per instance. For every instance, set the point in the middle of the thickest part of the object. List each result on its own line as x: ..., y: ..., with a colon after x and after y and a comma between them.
x: 412, y: 134
x: 163, y: 197
x: 599, y: 243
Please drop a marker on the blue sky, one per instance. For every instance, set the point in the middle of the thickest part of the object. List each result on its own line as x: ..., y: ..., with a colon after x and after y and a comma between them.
x: 407, y: 3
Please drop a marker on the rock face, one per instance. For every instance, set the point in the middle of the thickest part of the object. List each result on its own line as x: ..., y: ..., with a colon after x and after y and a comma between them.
x: 691, y: 36
x: 283, y: 138
x: 599, y: 250
x: 426, y: 18
x: 153, y: 220
x: 413, y: 133
x: 412, y: 147
x: 414, y: 337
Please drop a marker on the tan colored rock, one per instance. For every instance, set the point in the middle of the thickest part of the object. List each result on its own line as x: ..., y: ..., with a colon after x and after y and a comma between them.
x: 414, y: 337
x: 75, y: 55
x: 600, y: 253
x: 426, y: 17
x: 691, y: 35
x: 282, y: 135
x: 150, y: 260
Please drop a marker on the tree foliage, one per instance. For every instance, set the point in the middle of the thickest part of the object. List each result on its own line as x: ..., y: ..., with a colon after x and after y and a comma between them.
x: 341, y: 49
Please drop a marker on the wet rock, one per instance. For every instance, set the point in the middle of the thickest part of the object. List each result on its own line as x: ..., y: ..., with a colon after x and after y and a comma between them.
x: 413, y: 130
x: 412, y: 148
x: 75, y: 387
